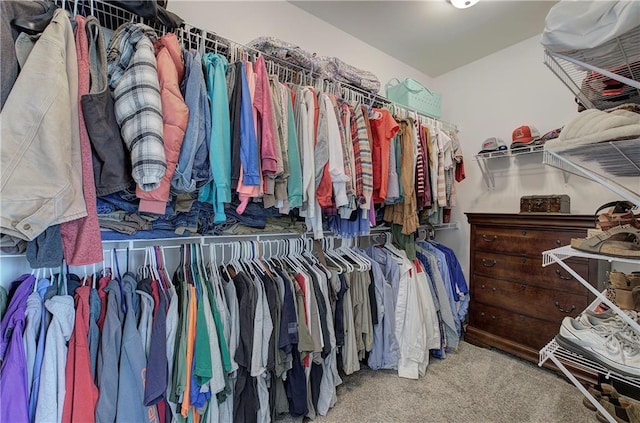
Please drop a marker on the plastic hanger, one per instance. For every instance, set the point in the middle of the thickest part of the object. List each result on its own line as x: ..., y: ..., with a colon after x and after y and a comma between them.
x: 346, y: 265
x: 364, y: 264
x: 339, y: 264
x: 119, y: 279
x: 224, y: 264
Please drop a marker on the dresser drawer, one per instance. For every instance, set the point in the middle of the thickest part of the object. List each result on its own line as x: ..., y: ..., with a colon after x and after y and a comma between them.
x: 516, y: 327
x: 527, y: 299
x: 529, y: 270
x: 520, y: 241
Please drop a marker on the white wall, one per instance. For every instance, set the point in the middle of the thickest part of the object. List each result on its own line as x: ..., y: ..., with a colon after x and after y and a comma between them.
x: 491, y: 97
x: 243, y: 21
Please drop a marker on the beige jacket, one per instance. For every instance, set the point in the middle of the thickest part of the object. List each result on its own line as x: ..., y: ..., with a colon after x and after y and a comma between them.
x: 41, y: 182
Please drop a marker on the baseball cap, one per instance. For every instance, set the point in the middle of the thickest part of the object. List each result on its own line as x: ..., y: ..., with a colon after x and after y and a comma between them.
x: 524, y: 135
x: 553, y: 134
x: 492, y: 144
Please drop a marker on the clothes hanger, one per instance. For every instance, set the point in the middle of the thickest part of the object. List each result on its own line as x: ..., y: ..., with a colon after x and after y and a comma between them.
x: 267, y: 261
x: 288, y: 257
x: 341, y: 268
x: 350, y: 268
x: 225, y: 264
x: 245, y: 259
x: 119, y: 279
x: 256, y: 258
x: 362, y: 262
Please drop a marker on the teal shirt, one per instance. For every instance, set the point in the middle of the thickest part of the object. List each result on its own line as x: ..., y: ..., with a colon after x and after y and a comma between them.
x: 218, y: 192
x: 294, y: 183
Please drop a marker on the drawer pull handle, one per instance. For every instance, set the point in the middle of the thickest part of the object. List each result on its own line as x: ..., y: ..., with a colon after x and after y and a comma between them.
x: 558, y: 242
x: 564, y: 278
x: 524, y: 233
x: 521, y: 317
x: 486, y: 263
x: 562, y: 310
x: 523, y: 287
x: 523, y: 259
x: 482, y: 286
x: 493, y: 317
x: 493, y: 289
x: 482, y: 314
x: 485, y: 239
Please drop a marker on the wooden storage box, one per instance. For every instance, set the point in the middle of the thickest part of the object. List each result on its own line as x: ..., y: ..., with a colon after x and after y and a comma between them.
x: 545, y: 204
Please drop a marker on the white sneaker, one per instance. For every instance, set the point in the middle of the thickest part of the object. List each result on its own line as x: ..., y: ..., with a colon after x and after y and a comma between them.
x: 605, y: 316
x: 613, y: 346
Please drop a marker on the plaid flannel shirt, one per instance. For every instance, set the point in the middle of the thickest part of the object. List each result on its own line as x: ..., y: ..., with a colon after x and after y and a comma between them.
x: 133, y: 80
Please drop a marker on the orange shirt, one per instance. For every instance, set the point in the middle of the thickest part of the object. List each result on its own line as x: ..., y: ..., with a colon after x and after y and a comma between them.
x: 191, y: 340
x: 383, y: 128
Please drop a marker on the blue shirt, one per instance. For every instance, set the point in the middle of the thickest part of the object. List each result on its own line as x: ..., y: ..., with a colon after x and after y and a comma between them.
x: 218, y: 192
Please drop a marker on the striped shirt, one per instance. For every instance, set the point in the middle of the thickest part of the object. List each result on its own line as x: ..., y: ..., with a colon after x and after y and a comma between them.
x: 364, y: 143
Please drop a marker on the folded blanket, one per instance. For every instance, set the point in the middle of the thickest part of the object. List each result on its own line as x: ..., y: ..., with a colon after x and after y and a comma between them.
x: 575, y: 25
x: 594, y: 126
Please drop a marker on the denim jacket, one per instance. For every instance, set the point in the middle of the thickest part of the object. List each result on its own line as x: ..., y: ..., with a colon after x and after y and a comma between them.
x: 193, y: 164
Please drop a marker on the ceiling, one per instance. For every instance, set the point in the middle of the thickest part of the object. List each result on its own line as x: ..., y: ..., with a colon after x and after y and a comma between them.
x: 433, y: 36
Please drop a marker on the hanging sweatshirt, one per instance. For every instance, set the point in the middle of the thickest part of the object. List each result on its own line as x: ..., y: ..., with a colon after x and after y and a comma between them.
x: 218, y: 192
x: 43, y: 288
x: 81, y: 241
x: 33, y: 315
x: 249, y: 183
x: 109, y: 354
x: 13, y: 371
x: 52, y: 378
x: 81, y: 393
x: 266, y: 132
x: 133, y: 362
x: 175, y: 116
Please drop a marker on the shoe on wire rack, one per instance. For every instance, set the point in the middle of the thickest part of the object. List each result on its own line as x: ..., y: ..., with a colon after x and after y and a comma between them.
x: 615, y: 347
x: 608, y: 317
x: 607, y: 392
x: 625, y: 412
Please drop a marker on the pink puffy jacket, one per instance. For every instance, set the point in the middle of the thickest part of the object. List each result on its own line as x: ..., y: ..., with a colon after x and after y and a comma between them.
x: 175, y: 115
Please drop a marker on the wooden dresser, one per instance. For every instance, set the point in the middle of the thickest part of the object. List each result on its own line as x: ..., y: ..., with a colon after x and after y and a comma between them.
x: 516, y: 304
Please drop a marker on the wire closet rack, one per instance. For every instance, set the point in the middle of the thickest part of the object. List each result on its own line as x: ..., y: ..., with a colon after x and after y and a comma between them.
x: 602, y: 77
x: 191, y: 37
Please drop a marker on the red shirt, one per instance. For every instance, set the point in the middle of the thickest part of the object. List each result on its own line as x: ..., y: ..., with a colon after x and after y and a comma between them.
x: 383, y: 128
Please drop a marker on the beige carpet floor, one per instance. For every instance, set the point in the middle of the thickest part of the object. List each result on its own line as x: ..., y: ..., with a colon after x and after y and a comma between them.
x: 474, y: 385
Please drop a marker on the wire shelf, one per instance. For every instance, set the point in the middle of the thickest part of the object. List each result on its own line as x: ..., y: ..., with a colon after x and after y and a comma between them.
x: 605, y: 163
x: 510, y: 152
x: 484, y: 160
x: 576, y: 360
x: 562, y: 253
x: 602, y: 77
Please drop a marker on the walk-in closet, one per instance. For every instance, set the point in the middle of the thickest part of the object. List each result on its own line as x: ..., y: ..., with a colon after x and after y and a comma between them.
x: 257, y: 211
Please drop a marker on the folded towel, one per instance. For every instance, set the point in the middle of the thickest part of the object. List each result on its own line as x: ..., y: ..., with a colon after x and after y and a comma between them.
x: 593, y: 126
